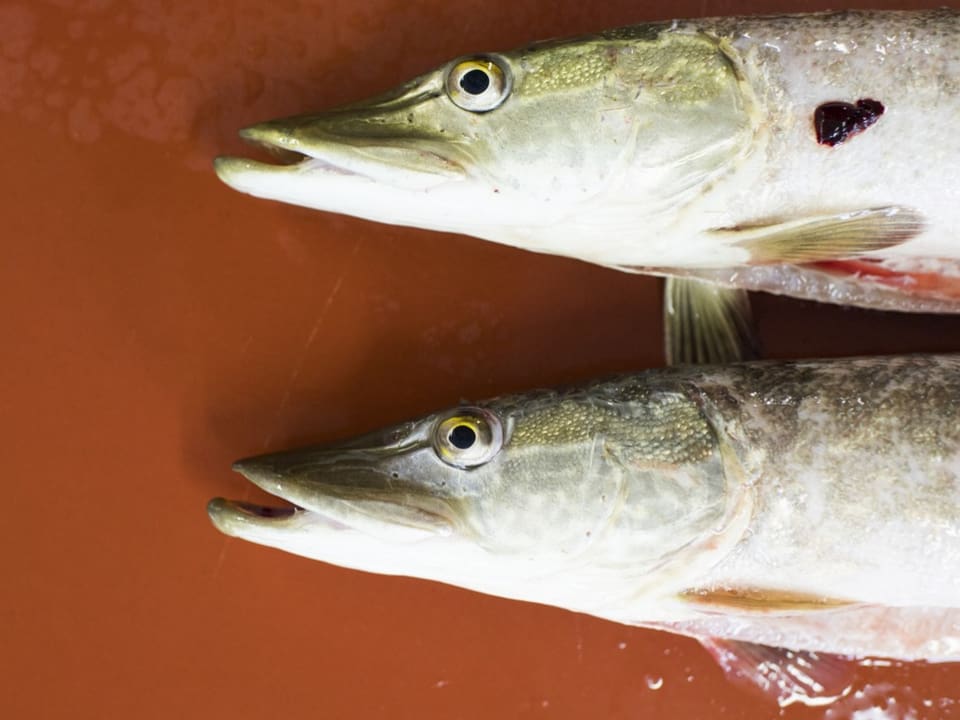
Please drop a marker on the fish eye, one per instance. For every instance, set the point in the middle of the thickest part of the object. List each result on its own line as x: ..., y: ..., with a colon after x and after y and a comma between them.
x: 469, y: 437
x: 478, y: 84
x: 462, y: 436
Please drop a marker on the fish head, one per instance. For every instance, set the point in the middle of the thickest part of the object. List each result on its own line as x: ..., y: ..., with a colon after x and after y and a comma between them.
x: 514, y: 147
x: 552, y: 498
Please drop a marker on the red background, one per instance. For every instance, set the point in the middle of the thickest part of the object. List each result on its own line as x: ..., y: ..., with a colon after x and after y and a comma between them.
x: 157, y: 325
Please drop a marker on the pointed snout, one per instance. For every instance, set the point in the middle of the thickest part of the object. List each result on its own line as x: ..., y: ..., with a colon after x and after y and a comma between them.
x: 295, y: 475
x: 257, y: 469
x: 364, y: 468
x: 278, y: 135
x: 372, y: 483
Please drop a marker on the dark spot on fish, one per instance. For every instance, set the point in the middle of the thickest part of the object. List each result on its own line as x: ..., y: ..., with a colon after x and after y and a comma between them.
x: 463, y: 437
x: 475, y: 82
x: 834, y: 122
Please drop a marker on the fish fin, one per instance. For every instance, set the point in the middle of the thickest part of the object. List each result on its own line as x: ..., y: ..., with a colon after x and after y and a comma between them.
x: 761, y: 600
x: 787, y: 676
x: 831, y: 237
x: 706, y: 323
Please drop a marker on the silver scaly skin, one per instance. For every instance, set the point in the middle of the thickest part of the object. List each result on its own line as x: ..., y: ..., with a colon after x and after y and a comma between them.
x: 687, y: 148
x: 809, y: 505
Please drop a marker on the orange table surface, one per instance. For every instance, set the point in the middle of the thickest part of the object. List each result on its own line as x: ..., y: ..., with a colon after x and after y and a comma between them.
x: 157, y: 325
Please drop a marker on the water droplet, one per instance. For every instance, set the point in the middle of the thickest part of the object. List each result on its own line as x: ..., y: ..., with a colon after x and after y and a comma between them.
x: 622, y: 646
x: 654, y: 682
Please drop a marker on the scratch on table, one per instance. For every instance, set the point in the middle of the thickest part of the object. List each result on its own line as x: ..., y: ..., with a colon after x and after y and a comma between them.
x: 220, y: 558
x: 291, y: 381
x: 246, y: 345
x: 579, y: 628
x: 311, y: 337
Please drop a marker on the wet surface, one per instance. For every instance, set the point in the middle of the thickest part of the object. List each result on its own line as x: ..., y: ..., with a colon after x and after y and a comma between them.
x: 159, y: 326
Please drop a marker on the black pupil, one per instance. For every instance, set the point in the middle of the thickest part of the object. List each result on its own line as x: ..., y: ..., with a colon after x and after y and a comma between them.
x: 475, y: 82
x: 463, y: 437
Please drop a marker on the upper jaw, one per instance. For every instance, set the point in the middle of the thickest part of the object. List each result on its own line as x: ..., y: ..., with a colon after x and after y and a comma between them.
x: 333, y: 490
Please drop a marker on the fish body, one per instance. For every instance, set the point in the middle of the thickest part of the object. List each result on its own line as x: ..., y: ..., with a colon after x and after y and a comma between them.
x: 812, y: 506
x: 809, y: 155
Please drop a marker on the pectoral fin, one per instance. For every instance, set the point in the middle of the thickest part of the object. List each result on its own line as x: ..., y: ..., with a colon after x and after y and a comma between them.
x: 787, y: 676
x: 831, y: 237
x: 706, y: 323
x: 761, y: 600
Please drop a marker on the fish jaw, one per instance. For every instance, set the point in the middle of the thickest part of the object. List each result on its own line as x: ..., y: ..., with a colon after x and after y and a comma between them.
x: 320, y: 536
x: 349, y: 509
x: 373, y: 178
x: 374, y: 159
x: 361, y: 485
x: 411, y: 179
x: 323, y: 145
x: 320, y: 185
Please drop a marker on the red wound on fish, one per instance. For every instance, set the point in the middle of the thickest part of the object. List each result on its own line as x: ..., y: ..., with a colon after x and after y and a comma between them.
x: 837, y: 121
x: 941, y: 285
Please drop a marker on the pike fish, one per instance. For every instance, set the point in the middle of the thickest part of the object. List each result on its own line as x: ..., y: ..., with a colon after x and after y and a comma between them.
x: 773, y: 511
x: 808, y: 155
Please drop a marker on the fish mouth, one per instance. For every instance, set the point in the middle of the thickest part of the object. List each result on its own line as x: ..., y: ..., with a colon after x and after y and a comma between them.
x: 280, y: 144
x: 287, y: 153
x: 238, y: 518
x: 332, y: 490
x: 339, y: 145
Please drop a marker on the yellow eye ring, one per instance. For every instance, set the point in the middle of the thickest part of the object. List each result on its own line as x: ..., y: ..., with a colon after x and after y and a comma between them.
x: 469, y: 437
x: 479, y: 84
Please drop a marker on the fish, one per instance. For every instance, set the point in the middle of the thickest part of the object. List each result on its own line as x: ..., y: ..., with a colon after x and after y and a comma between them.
x: 782, y: 513
x: 810, y: 155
